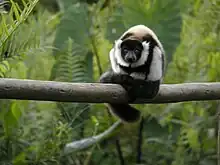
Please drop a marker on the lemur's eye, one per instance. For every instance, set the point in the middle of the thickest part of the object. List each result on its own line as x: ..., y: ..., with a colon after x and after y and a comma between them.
x: 125, y: 50
x: 137, y: 51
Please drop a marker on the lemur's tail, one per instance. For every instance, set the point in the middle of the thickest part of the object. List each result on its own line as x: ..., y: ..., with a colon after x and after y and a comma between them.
x: 125, y: 112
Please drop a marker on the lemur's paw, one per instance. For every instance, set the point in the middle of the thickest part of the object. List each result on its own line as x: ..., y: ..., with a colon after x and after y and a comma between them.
x: 131, y: 94
x: 122, y: 79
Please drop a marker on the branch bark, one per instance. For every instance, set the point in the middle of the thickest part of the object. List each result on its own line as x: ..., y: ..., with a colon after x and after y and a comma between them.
x: 88, y: 142
x: 102, y: 93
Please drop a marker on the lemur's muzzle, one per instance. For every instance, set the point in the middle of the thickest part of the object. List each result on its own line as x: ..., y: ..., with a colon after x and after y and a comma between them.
x: 131, y: 58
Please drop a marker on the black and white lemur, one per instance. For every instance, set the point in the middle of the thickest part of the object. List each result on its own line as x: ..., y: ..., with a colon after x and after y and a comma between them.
x: 137, y: 63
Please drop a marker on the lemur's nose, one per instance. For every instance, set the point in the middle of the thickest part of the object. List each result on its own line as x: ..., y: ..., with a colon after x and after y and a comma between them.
x: 130, y: 59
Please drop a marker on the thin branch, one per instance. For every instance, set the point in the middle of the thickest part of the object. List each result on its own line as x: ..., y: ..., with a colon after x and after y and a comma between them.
x: 117, y: 141
x: 139, y: 142
x: 88, y: 142
x: 119, y: 151
x: 102, y: 93
x: 95, y: 50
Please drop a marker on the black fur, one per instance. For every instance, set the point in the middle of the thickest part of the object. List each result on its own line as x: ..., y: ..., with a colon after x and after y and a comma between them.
x: 153, y: 43
x: 124, y: 111
x: 132, y: 44
x: 131, y: 48
x: 135, y: 89
x: 127, y: 35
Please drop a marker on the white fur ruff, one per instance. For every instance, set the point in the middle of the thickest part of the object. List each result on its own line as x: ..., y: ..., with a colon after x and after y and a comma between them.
x: 114, y: 55
x: 117, y: 53
x: 156, y: 70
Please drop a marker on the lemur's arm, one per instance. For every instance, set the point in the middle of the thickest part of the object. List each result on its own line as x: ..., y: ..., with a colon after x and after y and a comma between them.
x: 126, y: 81
x: 136, y: 88
x: 111, y: 77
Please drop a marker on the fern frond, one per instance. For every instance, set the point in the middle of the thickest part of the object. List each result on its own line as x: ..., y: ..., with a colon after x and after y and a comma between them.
x: 8, y: 30
x: 71, y: 66
x: 4, y: 68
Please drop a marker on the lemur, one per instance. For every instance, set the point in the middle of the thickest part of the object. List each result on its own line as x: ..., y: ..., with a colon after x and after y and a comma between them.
x: 137, y: 59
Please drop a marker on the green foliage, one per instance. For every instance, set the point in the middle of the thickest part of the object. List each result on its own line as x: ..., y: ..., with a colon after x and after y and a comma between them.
x: 28, y: 50
x: 20, y: 16
x: 4, y: 68
x: 72, y: 45
x: 192, y: 62
x: 76, y: 28
x: 166, y: 25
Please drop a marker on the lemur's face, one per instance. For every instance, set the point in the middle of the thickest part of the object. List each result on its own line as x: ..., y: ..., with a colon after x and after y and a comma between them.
x: 131, y: 50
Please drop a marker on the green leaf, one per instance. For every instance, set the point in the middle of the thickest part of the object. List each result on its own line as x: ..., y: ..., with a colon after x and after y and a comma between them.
x: 20, y: 159
x: 16, y: 110
x: 10, y: 123
x: 192, y: 135
x: 4, y: 68
x: 19, y: 70
x: 64, y: 4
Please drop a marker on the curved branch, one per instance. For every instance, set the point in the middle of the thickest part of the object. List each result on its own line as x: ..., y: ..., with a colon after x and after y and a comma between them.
x: 88, y: 142
x: 102, y: 93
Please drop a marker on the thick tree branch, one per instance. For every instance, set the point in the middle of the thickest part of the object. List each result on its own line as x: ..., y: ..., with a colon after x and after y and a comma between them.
x: 102, y: 93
